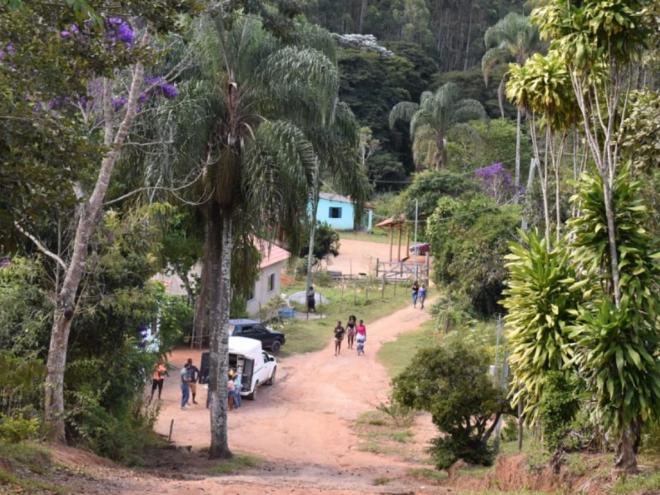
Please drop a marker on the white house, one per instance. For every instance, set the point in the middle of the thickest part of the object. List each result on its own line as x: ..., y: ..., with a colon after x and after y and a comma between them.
x: 267, y: 286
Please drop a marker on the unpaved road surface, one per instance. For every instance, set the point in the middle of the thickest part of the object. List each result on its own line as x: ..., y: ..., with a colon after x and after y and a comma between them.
x: 301, y: 425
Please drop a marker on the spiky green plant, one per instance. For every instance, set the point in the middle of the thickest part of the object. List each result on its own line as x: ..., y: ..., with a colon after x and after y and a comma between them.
x: 542, y: 298
x: 617, y: 347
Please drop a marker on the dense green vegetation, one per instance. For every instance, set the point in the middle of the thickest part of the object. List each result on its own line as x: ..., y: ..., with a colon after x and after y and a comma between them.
x: 146, y: 139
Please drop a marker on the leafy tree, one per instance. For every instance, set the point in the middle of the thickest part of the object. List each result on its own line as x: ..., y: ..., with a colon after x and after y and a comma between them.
x: 543, y: 87
x: 558, y: 407
x: 397, y: 79
x: 469, y: 239
x: 512, y: 39
x: 428, y: 187
x: 487, y: 142
x: 451, y: 382
x: 431, y: 119
x: 617, y: 347
x: 90, y: 57
x: 599, y: 43
x: 326, y: 242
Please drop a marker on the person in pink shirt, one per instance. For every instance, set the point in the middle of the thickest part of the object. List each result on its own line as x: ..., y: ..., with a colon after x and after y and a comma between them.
x: 361, y: 337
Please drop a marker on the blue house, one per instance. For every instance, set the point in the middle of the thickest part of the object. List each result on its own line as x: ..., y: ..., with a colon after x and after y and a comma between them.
x: 338, y: 212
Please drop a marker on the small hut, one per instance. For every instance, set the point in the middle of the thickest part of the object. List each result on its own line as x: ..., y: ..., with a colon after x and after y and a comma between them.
x: 397, y: 224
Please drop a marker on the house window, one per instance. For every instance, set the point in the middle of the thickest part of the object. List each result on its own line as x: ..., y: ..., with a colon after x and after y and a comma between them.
x: 335, y: 212
x: 271, y: 282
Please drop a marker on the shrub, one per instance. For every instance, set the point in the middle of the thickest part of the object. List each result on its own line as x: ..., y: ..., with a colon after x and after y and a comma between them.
x: 17, y: 429
x: 557, y: 409
x: 451, y: 382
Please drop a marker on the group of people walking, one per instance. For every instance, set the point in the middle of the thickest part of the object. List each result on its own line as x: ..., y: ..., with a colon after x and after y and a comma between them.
x: 354, y: 332
x: 418, y: 294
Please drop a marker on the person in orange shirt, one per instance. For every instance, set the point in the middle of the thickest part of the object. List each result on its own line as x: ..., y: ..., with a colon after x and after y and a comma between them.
x: 157, y: 379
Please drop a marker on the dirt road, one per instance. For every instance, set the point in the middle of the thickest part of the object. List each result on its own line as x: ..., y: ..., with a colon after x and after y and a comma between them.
x: 304, y: 421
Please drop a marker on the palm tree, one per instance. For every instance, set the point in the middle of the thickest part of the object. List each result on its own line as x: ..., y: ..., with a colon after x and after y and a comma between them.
x: 512, y: 39
x: 259, y: 164
x: 432, y: 118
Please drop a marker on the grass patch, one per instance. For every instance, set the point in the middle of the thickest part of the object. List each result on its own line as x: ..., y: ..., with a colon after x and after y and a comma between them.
x: 313, y: 335
x: 498, y: 492
x: 27, y: 468
x: 428, y: 474
x: 378, y: 235
x: 238, y: 463
x: 403, y: 436
x: 396, y: 355
x: 642, y: 483
x: 478, y: 472
x: 382, y: 480
x: 30, y: 485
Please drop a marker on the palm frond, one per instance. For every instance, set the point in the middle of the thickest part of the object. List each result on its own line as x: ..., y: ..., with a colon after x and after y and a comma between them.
x: 302, y: 73
x: 403, y: 111
x: 492, y: 58
x: 279, y: 166
x: 314, y: 36
x: 468, y: 109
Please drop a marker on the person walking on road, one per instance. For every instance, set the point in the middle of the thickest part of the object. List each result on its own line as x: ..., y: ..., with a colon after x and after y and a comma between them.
x: 421, y: 295
x: 157, y: 379
x: 361, y: 338
x: 339, y: 336
x: 350, y: 331
x: 193, y: 378
x: 185, y: 386
x: 415, y: 293
x: 230, y: 391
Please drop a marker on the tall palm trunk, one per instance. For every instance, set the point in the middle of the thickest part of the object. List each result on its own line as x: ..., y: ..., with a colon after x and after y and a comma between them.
x: 516, y: 178
x: 312, y: 229
x: 500, y: 96
x: 220, y: 251
x: 89, y: 215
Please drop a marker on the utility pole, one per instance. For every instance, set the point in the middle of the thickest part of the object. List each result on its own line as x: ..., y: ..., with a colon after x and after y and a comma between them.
x: 416, y: 215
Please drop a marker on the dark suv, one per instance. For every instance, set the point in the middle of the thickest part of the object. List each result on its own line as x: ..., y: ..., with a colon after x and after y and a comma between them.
x: 253, y: 329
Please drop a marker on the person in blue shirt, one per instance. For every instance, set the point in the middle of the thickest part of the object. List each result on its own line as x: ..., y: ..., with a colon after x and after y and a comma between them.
x: 238, y: 386
x: 421, y: 296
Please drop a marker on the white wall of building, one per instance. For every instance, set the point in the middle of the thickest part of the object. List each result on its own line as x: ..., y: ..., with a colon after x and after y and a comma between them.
x: 262, y: 292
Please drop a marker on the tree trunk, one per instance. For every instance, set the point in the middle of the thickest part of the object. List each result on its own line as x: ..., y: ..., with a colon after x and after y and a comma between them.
x: 363, y: 13
x: 626, y: 452
x: 611, y: 237
x: 220, y: 244
x: 516, y: 178
x: 467, y: 42
x: 500, y: 96
x: 312, y: 229
x: 441, y: 158
x: 89, y: 215
x: 201, y: 320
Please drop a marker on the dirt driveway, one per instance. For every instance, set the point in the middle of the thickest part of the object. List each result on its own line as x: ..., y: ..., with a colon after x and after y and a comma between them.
x: 304, y: 420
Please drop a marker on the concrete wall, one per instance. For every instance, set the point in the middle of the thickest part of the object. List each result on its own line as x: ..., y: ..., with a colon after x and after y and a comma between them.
x: 347, y: 214
x: 261, y: 293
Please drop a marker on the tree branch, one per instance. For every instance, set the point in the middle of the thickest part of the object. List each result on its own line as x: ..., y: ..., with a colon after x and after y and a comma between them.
x: 40, y: 246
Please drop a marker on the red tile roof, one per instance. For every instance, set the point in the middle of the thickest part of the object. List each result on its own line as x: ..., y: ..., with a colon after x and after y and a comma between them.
x: 271, y: 253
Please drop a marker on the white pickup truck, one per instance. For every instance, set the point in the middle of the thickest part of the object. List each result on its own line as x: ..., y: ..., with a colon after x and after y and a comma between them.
x: 256, y: 366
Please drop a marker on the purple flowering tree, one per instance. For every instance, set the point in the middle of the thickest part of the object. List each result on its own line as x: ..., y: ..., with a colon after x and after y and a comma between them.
x: 105, y: 60
x: 496, y: 181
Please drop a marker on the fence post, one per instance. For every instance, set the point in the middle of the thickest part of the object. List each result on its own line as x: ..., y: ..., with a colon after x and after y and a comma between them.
x: 382, y: 289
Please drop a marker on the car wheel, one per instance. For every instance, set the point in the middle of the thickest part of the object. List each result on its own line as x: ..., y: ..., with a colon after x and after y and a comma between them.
x: 275, y: 346
x: 271, y: 380
x: 253, y: 395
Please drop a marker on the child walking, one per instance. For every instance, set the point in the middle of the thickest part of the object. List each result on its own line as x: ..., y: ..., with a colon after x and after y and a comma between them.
x: 361, y: 338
